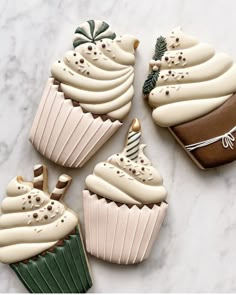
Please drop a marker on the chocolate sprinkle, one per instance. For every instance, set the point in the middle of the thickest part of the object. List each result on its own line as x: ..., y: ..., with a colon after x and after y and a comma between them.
x: 49, y: 208
x: 35, y: 215
x: 45, y: 217
x: 167, y: 92
x: 103, y: 45
x: 38, y: 199
x: 74, y: 54
x: 90, y: 47
x: 82, y: 60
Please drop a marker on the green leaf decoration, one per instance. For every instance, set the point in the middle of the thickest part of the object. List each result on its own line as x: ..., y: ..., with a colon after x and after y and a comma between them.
x: 91, y: 32
x: 152, y: 78
x: 150, y: 82
x: 160, y: 48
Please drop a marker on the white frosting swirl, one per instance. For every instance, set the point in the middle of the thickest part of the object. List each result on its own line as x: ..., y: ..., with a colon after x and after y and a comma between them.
x: 123, y: 180
x: 100, y: 76
x: 31, y: 222
x: 193, y: 80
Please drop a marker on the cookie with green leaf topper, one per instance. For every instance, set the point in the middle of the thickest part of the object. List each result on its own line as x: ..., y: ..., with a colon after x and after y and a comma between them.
x: 40, y: 237
x: 87, y: 97
x: 191, y: 89
x: 124, y: 204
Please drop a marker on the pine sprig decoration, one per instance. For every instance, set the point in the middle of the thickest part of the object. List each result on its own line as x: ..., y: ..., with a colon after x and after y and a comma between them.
x: 160, y: 48
x: 151, y: 80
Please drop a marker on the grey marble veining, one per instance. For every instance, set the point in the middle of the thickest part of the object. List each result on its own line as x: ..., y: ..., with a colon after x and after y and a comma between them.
x: 196, y: 249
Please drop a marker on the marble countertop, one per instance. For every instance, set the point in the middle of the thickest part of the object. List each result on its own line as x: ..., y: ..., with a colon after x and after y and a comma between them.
x: 195, y: 251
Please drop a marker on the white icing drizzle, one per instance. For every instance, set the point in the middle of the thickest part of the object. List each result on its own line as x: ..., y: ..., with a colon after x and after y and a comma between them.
x: 31, y: 222
x: 227, y: 140
x: 100, y: 76
x: 193, y: 80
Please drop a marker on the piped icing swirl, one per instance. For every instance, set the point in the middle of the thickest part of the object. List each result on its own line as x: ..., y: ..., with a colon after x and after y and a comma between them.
x: 99, y: 73
x: 128, y: 177
x: 193, y: 80
x: 32, y: 221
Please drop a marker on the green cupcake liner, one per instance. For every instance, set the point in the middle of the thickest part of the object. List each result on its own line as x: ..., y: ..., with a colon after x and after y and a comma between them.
x: 63, y: 271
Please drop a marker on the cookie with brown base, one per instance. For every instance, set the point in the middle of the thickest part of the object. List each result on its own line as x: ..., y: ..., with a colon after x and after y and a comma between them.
x: 192, y: 92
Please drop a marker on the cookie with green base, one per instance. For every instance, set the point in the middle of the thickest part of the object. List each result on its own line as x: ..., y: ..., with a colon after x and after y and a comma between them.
x: 40, y: 237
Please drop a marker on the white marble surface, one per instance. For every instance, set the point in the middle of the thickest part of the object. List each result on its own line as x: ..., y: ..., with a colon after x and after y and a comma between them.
x: 196, y: 249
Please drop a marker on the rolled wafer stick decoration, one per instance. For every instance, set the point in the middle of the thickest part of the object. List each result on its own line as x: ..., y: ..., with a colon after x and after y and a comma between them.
x: 61, y: 187
x: 133, y: 140
x: 40, y: 177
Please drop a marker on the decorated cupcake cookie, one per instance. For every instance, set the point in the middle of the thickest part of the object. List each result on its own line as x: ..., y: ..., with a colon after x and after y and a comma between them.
x: 87, y: 97
x: 40, y: 237
x: 192, y: 91
x: 124, y: 204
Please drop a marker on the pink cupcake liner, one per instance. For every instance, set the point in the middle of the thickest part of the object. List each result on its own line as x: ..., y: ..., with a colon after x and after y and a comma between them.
x: 65, y: 134
x: 120, y: 234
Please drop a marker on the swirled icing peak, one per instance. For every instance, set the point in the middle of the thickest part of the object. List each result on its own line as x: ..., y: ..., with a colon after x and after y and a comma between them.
x: 192, y: 80
x: 98, y: 74
x: 128, y: 177
x: 33, y: 220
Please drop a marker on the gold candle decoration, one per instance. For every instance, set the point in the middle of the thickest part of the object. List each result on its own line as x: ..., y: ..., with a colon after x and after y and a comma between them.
x: 131, y: 149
